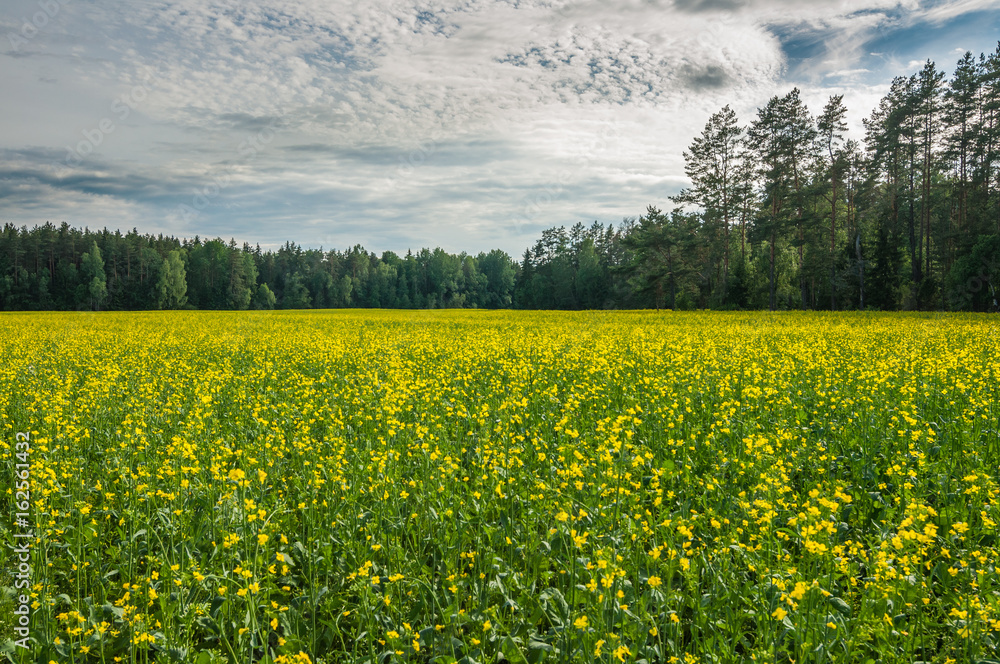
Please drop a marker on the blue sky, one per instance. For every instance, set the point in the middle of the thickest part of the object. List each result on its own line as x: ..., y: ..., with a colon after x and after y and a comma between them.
x: 465, y: 124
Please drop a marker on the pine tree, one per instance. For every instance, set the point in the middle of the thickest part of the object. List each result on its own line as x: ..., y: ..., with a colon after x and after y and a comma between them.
x: 832, y: 126
x: 928, y: 107
x: 656, y: 266
x: 782, y: 136
x: 712, y: 163
x: 962, y: 110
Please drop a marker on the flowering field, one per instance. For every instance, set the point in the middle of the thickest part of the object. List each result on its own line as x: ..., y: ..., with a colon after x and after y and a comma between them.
x: 485, y: 487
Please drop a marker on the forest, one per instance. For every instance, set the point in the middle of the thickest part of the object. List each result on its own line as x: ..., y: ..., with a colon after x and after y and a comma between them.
x: 784, y: 212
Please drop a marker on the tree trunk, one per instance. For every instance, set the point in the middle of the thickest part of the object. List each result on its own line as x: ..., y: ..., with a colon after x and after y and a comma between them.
x: 774, y: 239
x: 861, y: 269
x: 928, y: 154
x: 914, y: 251
x: 803, y: 295
x: 673, y: 282
x: 833, y: 242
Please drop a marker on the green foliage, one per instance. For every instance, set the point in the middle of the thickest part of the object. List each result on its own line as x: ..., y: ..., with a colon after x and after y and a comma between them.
x: 264, y: 298
x: 659, y: 262
x: 242, y: 280
x: 93, y: 290
x: 172, y: 284
x: 974, y: 280
x: 296, y: 295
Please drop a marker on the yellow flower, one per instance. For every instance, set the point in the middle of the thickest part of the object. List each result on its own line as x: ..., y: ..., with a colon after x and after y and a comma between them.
x: 779, y: 613
x: 655, y: 582
x: 581, y: 622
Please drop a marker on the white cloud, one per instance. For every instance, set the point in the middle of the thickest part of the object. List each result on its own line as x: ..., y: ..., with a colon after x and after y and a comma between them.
x: 940, y: 12
x: 847, y: 73
x: 456, y: 114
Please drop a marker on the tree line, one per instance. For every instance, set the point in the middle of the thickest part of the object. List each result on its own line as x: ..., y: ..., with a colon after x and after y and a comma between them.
x: 51, y: 267
x: 782, y: 213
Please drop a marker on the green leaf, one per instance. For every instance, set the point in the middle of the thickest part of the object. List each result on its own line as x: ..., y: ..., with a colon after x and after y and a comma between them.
x: 216, y: 605
x: 177, y: 654
x: 207, y: 624
x: 207, y: 657
x: 554, y: 605
x: 842, y: 607
x: 538, y: 650
x: 510, y: 650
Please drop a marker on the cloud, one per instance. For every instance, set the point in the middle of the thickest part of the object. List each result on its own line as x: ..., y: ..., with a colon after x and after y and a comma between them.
x: 942, y: 12
x: 404, y: 123
x: 709, y: 5
x: 705, y: 77
x: 846, y: 73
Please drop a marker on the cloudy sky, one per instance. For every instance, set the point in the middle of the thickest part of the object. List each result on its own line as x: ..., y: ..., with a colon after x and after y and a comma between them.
x: 465, y: 124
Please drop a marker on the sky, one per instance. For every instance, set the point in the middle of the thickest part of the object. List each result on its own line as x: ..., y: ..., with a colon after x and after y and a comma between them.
x: 401, y: 124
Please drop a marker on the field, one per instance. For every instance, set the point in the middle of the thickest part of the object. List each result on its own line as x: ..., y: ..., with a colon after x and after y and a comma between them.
x: 483, y: 487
